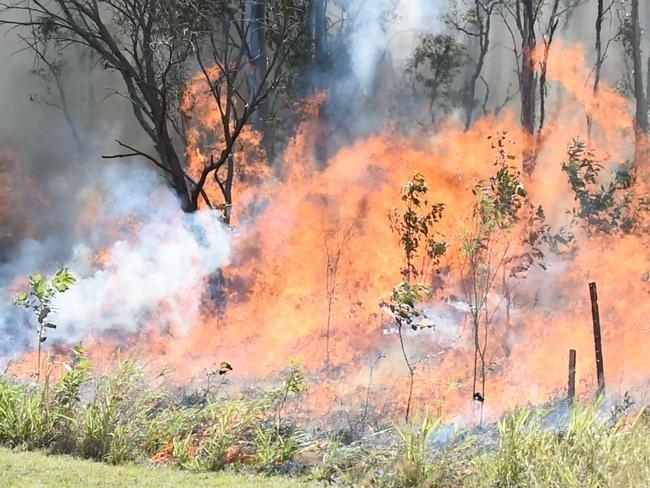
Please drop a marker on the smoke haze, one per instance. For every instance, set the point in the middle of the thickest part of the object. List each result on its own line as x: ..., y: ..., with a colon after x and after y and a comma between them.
x: 143, y: 265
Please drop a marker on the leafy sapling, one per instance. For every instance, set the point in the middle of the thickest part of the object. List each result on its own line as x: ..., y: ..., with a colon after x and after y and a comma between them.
x: 603, y: 208
x: 422, y: 252
x: 505, y: 238
x: 39, y: 300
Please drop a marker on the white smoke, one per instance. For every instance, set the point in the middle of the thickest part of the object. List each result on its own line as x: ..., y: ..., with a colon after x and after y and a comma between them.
x: 388, y: 27
x: 158, y: 259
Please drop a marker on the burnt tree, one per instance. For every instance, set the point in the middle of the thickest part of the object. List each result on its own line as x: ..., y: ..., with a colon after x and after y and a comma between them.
x: 152, y: 45
x: 641, y: 115
x: 527, y: 78
x: 522, y: 19
x: 476, y: 24
x: 602, y: 12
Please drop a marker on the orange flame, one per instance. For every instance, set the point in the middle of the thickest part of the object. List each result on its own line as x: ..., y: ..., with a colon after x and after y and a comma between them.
x: 277, y: 303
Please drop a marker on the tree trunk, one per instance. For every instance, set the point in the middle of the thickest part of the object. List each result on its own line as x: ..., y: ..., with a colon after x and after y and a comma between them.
x: 599, y: 45
x: 553, y: 22
x: 257, y: 68
x: 170, y: 159
x: 641, y: 119
x: 320, y: 34
x: 484, y: 44
x: 321, y: 63
x: 528, y: 82
x: 599, y: 59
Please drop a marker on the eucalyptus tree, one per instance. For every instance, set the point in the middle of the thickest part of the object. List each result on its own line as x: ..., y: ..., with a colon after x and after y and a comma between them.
x: 474, y: 19
x: 156, y: 46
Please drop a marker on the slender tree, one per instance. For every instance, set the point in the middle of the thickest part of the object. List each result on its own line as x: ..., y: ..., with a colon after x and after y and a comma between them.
x: 551, y: 27
x: 641, y: 116
x: 476, y: 23
x: 152, y: 45
x: 522, y: 19
x: 422, y: 252
x: 602, y: 11
x: 503, y: 239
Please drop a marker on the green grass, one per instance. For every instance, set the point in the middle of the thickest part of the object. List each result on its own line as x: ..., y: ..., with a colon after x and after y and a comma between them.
x: 124, y: 419
x: 121, y: 419
x: 35, y: 469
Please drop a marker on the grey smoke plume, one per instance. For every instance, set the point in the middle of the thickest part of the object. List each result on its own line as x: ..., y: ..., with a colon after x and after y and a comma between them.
x: 157, y: 259
x: 65, y: 206
x: 384, y: 27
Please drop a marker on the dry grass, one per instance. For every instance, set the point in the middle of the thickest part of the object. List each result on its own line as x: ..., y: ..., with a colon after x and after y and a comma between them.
x: 123, y: 420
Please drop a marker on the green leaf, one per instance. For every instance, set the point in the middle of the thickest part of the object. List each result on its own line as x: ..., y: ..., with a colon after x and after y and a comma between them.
x: 42, y: 315
x: 40, y: 288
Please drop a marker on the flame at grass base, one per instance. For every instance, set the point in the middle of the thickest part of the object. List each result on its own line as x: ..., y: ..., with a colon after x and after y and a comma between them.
x: 287, y: 227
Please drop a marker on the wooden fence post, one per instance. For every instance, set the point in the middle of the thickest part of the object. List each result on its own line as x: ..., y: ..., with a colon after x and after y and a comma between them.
x: 571, y: 391
x: 595, y: 315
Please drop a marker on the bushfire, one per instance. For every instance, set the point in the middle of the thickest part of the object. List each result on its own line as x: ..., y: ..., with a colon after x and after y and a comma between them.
x: 313, y: 255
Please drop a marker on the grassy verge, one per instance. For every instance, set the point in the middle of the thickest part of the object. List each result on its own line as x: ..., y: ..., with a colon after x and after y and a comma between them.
x: 35, y: 469
x: 121, y: 419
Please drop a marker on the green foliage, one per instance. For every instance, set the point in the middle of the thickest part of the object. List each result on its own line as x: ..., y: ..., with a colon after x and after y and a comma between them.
x: 228, y: 424
x: 419, y: 464
x: 404, y: 304
x: 435, y: 64
x: 603, y: 208
x: 414, y: 465
x: 587, y: 452
x: 39, y: 300
x: 120, y: 417
x: 272, y: 447
x: 40, y: 295
x: 296, y: 381
x: 35, y: 416
x: 519, y: 436
x: 237, y: 430
x: 21, y: 418
x: 532, y: 450
x: 108, y: 427
x: 502, y: 207
x: 501, y: 197
x: 415, y: 227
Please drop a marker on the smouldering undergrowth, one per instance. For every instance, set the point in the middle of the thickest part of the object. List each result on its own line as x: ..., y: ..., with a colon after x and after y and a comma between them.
x: 528, y: 448
x: 122, y: 418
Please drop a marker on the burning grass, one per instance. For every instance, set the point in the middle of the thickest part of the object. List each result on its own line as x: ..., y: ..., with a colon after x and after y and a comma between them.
x: 124, y: 418
x: 120, y: 417
x: 311, y: 255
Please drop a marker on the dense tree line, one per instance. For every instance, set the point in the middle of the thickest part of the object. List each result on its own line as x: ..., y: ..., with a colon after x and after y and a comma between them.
x: 258, y: 56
